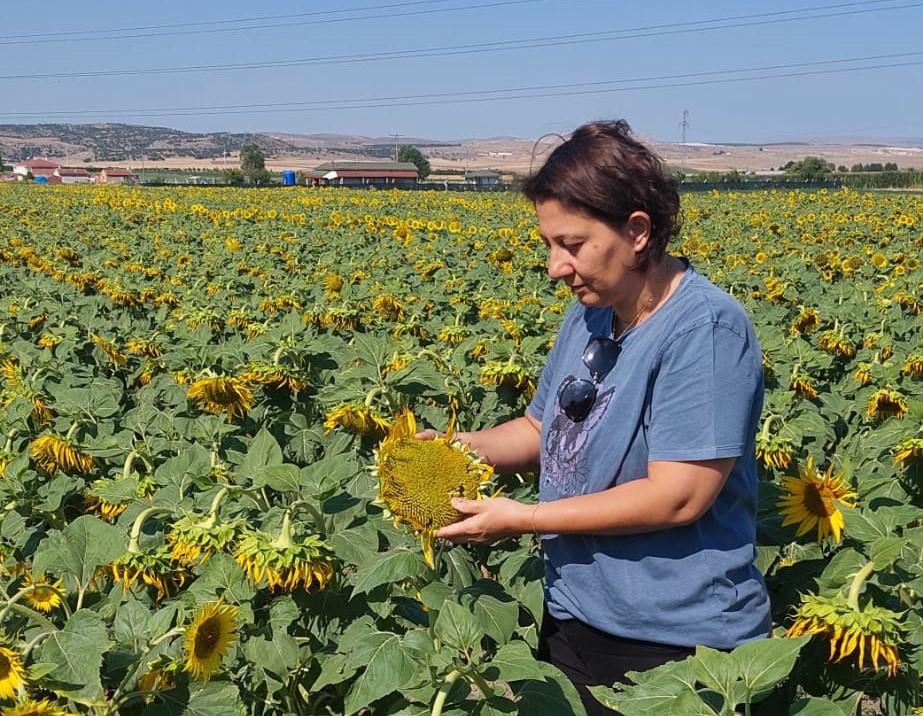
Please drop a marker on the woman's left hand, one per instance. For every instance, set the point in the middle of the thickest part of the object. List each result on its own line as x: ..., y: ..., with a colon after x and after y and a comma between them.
x: 487, y: 521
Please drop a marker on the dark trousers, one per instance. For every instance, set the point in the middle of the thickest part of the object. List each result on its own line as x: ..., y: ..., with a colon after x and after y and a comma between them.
x: 590, y: 657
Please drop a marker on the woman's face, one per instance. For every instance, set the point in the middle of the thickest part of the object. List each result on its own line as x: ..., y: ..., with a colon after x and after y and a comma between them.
x: 592, y: 259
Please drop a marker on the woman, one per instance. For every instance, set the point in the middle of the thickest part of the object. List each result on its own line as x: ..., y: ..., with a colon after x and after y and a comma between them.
x: 643, y: 426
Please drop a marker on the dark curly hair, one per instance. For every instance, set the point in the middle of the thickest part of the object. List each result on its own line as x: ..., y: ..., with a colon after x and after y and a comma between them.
x: 602, y: 171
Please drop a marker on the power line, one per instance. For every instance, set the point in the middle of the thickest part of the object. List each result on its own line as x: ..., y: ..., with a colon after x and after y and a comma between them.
x: 136, y: 33
x: 800, y: 69
x: 506, y: 45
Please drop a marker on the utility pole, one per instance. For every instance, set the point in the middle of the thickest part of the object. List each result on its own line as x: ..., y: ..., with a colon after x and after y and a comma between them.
x: 685, y: 125
x: 395, y: 146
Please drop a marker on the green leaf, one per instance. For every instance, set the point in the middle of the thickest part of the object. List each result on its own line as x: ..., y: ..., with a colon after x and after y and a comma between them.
x: 515, y: 661
x: 77, y: 653
x: 284, y: 478
x: 498, y: 618
x: 80, y: 550
x: 394, y: 566
x: 278, y: 655
x: 763, y: 663
x: 457, y: 627
x: 815, y: 706
x: 885, y: 550
x: 553, y: 695
x: 715, y: 669
x: 263, y: 451
x: 385, y: 666
x: 221, y: 575
x: 215, y: 698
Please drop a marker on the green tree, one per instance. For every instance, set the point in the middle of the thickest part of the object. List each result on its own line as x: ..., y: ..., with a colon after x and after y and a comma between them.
x: 809, y: 168
x: 409, y: 153
x: 253, y: 164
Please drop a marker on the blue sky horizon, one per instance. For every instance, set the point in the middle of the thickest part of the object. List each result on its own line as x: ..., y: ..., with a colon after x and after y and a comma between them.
x: 710, y: 72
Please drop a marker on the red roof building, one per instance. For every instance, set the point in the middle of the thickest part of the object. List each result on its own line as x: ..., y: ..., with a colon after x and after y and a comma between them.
x: 36, y: 167
x: 367, y: 174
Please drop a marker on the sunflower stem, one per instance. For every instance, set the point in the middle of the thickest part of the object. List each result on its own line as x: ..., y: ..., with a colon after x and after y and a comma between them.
x: 277, y: 356
x: 72, y: 429
x: 372, y: 394
x: 444, y: 690
x: 133, y: 547
x: 216, y: 503
x: 771, y: 420
x: 858, y: 582
x: 11, y: 605
x: 8, y: 445
x: 129, y: 461
x: 284, y: 540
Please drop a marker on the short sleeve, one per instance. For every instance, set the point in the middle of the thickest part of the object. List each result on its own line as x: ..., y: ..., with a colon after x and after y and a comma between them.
x: 706, y: 394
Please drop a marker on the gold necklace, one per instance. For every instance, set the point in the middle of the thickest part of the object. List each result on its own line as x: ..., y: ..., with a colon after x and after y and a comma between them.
x: 633, y: 321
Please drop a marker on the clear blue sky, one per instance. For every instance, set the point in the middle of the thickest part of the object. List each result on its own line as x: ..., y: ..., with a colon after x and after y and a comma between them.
x: 453, y: 69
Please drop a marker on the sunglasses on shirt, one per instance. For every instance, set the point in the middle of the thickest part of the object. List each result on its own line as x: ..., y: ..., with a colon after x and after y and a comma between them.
x: 577, y: 397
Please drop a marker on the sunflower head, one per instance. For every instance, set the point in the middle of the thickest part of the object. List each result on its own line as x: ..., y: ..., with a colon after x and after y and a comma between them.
x: 33, y: 707
x: 274, y: 376
x: 194, y: 538
x: 43, y: 595
x: 357, y: 418
x: 418, y: 478
x: 208, y: 639
x: 12, y: 673
x: 886, y: 403
x: 813, y: 499
x: 53, y: 452
x: 774, y: 451
x: 153, y: 568
x: 870, y: 631
x: 221, y: 394
x: 286, y: 563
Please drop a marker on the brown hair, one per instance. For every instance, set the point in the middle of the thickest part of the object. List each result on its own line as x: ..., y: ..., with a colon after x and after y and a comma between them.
x: 605, y: 173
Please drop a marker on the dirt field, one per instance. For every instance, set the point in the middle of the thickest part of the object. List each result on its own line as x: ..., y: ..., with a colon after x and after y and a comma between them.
x: 514, y: 156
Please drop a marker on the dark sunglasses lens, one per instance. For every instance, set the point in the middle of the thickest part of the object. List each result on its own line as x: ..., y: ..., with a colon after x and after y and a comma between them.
x: 600, y: 357
x: 577, y: 398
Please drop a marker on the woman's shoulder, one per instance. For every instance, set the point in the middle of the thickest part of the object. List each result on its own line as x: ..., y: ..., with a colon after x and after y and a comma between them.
x: 702, y: 302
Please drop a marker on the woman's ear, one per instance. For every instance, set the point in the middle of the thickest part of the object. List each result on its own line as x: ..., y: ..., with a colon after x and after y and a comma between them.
x: 638, y: 228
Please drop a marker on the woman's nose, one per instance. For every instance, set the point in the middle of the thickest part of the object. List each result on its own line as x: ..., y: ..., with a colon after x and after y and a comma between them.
x: 559, y: 264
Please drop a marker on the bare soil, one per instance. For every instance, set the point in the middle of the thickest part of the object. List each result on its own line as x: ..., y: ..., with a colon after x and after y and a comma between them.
x: 510, y: 156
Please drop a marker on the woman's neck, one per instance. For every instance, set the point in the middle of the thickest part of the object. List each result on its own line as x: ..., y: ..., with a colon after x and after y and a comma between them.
x: 655, y: 287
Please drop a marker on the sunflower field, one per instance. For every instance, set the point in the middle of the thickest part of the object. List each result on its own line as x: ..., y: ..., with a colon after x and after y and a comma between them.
x: 206, y: 398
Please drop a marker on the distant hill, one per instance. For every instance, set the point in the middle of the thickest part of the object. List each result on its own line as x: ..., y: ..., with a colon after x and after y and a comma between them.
x: 125, y: 142
x: 135, y: 145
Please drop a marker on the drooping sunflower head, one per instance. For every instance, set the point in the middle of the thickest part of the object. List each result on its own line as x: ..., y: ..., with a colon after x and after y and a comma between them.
x: 357, y: 418
x: 418, y: 478
x: 813, y: 499
x: 886, y: 403
x: 806, y: 322
x: 53, y: 452
x: 110, y: 497
x: 12, y: 673
x: 285, y: 562
x: 774, y: 451
x: 869, y: 630
x: 209, y: 638
x: 194, y: 538
x: 908, y: 451
x: 221, y: 394
x: 113, y: 355
x: 913, y: 366
x: 274, y: 376
x: 153, y: 568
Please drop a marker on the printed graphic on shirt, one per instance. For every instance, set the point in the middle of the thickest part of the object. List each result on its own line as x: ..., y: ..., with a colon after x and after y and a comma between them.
x: 564, y: 466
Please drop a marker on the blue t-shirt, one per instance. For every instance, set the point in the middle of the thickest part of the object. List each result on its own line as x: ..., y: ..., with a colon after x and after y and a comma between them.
x: 688, y: 385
